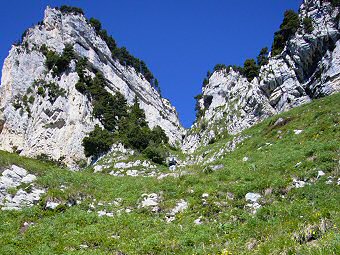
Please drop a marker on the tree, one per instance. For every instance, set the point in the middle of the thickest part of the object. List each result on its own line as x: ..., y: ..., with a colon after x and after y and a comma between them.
x: 290, y: 24
x: 219, y: 67
x: 96, y: 24
x: 250, y: 69
x: 288, y: 28
x: 199, y: 111
x: 71, y: 9
x: 156, y: 153
x: 137, y: 115
x: 158, y: 136
x: 97, y: 142
x: 262, y: 58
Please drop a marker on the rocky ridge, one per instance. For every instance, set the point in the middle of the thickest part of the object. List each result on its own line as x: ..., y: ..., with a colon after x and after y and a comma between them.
x: 56, y: 128
x: 308, y: 68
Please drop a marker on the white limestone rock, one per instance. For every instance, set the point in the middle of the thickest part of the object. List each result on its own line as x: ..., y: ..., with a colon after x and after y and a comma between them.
x: 308, y: 68
x: 150, y: 201
x: 57, y: 129
x: 253, y: 197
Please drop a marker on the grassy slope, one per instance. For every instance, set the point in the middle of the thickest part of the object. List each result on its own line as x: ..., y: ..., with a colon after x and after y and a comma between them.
x: 227, y: 227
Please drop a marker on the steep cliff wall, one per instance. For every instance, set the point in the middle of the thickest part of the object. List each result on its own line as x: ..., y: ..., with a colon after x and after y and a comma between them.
x: 56, y: 127
x: 307, y: 68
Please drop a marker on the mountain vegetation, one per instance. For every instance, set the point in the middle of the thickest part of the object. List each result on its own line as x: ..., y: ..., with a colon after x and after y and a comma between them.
x: 291, y: 220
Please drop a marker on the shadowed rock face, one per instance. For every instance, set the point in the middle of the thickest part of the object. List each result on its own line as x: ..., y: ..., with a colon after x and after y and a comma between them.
x: 308, y: 68
x: 57, y: 128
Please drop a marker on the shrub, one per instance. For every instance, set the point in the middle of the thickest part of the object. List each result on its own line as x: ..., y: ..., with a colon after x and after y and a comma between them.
x: 96, y: 24
x: 57, y: 63
x: 97, y: 142
x: 250, y: 69
x: 308, y: 25
x: 41, y: 91
x: 70, y: 9
x: 288, y: 28
x: 31, y: 99
x: 81, y: 87
x: 54, y: 91
x: 262, y: 58
x: 335, y: 3
x: 219, y: 67
x: 158, y: 136
x: 205, y: 82
x: 198, y: 109
x: 156, y: 153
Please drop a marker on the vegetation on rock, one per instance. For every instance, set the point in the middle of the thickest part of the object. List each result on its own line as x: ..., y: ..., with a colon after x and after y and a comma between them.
x: 288, y: 28
x: 218, y: 220
x: 58, y: 63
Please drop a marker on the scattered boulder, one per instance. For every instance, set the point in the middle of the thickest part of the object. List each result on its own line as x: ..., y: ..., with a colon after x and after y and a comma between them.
x: 12, y: 178
x: 180, y: 207
x: 150, y: 201
x: 320, y: 174
x: 198, y: 221
x: 298, y: 183
x: 245, y: 159
x: 251, y: 244
x: 52, y: 205
x: 298, y: 131
x: 217, y: 167
x: 253, y: 197
x: 98, y: 168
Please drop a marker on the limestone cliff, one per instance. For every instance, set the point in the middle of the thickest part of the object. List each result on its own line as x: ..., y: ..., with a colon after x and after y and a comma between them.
x: 56, y: 127
x: 307, y: 68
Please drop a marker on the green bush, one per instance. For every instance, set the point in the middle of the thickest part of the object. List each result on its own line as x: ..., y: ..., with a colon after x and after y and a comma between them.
x: 262, y: 58
x: 156, y: 153
x: 31, y: 99
x: 250, y: 69
x: 219, y: 67
x: 52, y: 89
x: 199, y: 111
x: 158, y: 136
x: 81, y: 87
x: 335, y: 3
x: 288, y: 28
x: 70, y: 9
x: 58, y: 64
x: 97, y: 142
x: 96, y: 24
x: 308, y: 25
x: 41, y: 91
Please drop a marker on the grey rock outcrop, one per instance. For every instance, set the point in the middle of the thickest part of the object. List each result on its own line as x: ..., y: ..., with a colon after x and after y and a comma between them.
x: 308, y: 68
x: 57, y: 128
x: 13, y: 178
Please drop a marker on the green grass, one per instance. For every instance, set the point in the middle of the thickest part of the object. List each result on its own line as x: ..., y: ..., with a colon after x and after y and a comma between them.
x: 227, y: 224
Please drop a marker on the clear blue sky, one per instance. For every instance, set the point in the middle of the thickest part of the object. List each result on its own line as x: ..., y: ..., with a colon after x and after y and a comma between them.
x: 180, y: 40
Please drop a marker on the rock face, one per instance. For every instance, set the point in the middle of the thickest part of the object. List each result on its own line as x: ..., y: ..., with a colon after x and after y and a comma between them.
x: 13, y: 178
x: 308, y: 68
x: 57, y: 128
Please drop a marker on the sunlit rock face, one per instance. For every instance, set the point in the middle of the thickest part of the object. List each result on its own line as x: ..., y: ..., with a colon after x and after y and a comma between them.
x: 308, y: 68
x: 57, y: 128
